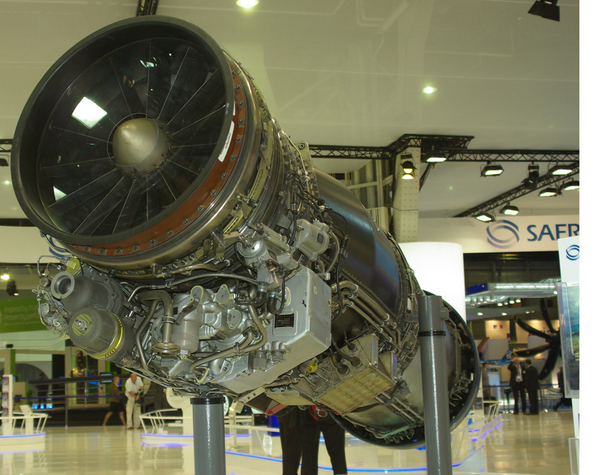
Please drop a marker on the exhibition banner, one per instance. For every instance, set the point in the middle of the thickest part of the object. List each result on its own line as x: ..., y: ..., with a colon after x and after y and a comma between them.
x: 19, y: 316
x: 506, y: 234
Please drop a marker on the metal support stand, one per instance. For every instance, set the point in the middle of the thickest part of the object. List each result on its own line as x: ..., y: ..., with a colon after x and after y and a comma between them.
x: 432, y: 341
x: 209, y: 435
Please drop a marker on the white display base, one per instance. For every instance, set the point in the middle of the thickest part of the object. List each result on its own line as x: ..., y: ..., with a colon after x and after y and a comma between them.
x: 261, y: 445
x: 19, y: 437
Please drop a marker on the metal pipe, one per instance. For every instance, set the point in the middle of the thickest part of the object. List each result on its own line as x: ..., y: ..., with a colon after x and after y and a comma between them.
x: 166, y: 346
x: 374, y: 307
x: 141, y: 329
x: 380, y: 328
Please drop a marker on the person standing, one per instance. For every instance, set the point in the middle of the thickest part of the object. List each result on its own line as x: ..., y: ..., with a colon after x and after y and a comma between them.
x: 133, y: 389
x: 517, y: 385
x: 290, y: 420
x: 317, y: 421
x: 485, y: 384
x: 115, y: 401
x: 531, y: 386
x: 564, y: 401
x: 485, y: 381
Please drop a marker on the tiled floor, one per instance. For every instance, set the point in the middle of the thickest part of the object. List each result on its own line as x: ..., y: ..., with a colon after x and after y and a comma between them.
x: 519, y: 445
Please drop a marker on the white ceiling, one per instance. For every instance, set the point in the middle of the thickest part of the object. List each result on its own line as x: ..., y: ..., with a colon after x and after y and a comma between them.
x: 351, y: 72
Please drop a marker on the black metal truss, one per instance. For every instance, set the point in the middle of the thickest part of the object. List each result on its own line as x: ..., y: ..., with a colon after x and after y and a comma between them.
x: 454, y: 147
x: 5, y: 147
x: 546, y: 156
x: 427, y: 143
x: 146, y: 7
x: 16, y: 222
x: 515, y: 193
x: 350, y: 152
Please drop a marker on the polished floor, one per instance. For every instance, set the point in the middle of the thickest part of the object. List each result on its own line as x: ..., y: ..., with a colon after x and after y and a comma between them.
x: 508, y: 444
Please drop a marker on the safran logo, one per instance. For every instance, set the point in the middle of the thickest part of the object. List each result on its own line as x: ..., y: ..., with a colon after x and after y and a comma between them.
x: 503, y: 234
x: 573, y: 252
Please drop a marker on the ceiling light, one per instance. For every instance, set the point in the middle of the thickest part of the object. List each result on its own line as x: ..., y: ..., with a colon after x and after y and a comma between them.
x: 485, y: 217
x: 4, y: 276
x: 429, y: 90
x: 549, y: 192
x: 561, y: 170
x: 546, y: 9
x: 570, y: 185
x: 533, y: 173
x: 247, y: 3
x: 492, y: 170
x: 436, y: 157
x: 408, y: 170
x: 510, y: 210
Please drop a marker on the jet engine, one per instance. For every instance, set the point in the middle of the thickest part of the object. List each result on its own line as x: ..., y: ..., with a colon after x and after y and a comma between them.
x: 205, y: 252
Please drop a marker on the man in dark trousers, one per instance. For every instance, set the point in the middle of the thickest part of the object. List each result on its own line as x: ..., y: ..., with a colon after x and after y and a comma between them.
x: 290, y: 419
x: 517, y: 384
x: 315, y: 422
x: 531, y: 386
x: 564, y: 401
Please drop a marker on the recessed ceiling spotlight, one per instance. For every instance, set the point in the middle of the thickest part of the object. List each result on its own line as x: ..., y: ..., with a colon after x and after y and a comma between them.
x: 429, y: 90
x: 247, y: 3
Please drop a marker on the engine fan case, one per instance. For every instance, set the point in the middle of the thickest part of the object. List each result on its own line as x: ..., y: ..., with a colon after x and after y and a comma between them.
x: 111, y: 215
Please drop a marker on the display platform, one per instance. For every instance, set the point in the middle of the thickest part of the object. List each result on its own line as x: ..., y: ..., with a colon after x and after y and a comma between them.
x: 260, y: 447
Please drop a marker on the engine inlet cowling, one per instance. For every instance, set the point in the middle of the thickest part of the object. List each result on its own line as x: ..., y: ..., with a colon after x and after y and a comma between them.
x: 208, y: 254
